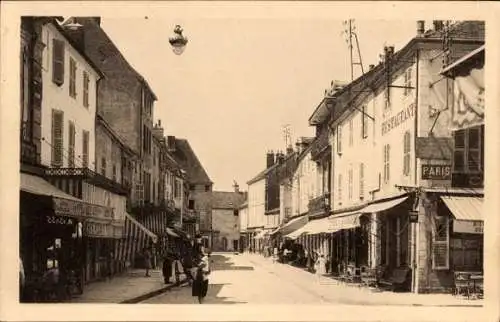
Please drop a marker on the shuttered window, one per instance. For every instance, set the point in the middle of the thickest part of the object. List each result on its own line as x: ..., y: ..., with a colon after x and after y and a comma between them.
x: 58, y: 61
x: 86, y: 82
x: 71, y: 145
x: 340, y: 188
x: 72, y: 77
x: 57, y: 138
x: 350, y: 179
x: 361, y: 181
x: 387, y: 156
x: 85, y: 149
x: 364, y: 122
x: 114, y: 172
x: 339, y: 139
x: 103, y: 166
x: 406, y: 152
x: 441, y: 243
x: 351, y: 132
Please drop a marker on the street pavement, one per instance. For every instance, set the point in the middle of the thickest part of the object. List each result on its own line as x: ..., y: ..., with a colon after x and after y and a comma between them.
x: 253, y: 279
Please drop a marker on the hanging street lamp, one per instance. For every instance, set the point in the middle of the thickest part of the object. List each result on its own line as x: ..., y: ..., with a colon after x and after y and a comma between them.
x: 178, y: 41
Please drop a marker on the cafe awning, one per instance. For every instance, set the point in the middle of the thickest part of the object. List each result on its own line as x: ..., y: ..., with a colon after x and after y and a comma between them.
x: 292, y: 225
x: 382, y: 206
x: 465, y: 208
x: 139, y: 228
x: 313, y: 227
x: 346, y: 220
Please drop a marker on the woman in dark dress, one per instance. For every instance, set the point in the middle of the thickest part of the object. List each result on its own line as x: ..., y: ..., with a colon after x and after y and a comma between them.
x: 200, y: 283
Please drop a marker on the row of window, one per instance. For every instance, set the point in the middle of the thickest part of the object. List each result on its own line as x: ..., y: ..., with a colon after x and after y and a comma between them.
x: 58, y: 152
x: 58, y: 71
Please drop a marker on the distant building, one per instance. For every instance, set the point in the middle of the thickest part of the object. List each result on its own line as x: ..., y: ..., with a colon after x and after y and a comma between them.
x: 224, y: 212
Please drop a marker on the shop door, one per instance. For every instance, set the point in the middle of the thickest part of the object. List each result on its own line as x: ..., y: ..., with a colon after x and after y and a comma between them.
x: 235, y: 245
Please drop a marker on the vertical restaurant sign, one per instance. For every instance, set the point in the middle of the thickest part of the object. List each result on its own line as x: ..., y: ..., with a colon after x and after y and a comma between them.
x: 398, y: 119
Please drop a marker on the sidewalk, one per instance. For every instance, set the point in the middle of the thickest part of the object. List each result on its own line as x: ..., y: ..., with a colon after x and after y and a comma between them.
x: 131, y: 287
x: 332, y: 290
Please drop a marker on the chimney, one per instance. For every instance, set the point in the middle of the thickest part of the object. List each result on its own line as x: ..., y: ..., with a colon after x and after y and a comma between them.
x: 438, y: 25
x: 158, y: 131
x: 289, y: 149
x: 420, y: 28
x: 75, y: 31
x: 171, y: 143
x: 371, y: 66
x: 269, y: 159
x: 388, y: 52
x: 236, y: 187
x: 280, y: 157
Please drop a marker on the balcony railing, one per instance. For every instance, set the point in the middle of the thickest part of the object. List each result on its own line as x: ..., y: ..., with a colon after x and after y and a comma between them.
x: 89, y: 176
x: 320, y: 145
x: 319, y: 204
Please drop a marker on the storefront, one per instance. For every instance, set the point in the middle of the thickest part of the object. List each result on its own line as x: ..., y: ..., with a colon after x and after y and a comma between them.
x: 52, y: 237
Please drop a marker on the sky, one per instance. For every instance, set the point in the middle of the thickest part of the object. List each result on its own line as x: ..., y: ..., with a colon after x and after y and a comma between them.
x: 240, y: 80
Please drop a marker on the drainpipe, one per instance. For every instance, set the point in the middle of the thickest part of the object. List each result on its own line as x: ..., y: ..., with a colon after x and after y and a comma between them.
x: 415, y: 237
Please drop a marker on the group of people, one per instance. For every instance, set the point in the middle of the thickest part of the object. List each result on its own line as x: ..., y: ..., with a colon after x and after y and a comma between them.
x: 190, y: 258
x: 316, y: 262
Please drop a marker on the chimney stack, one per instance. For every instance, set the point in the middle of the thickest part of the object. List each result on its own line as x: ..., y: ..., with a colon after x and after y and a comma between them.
x: 269, y: 159
x: 388, y: 53
x: 236, y: 187
x: 280, y: 157
x: 171, y: 143
x: 289, y: 149
x: 420, y: 28
x: 158, y: 131
x: 438, y: 25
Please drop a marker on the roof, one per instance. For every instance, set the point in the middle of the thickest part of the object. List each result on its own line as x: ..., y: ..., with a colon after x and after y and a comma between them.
x: 465, y: 31
x: 71, y: 41
x: 289, y: 158
x: 100, y: 120
x: 187, y: 159
x: 227, y: 199
x: 473, y: 58
x: 89, y: 22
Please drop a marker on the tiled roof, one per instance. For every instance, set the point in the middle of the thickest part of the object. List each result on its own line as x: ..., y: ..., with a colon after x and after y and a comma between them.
x: 187, y: 159
x: 219, y: 200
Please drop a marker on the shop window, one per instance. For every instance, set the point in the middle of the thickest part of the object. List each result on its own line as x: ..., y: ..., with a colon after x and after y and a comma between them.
x: 406, y: 153
x: 440, y: 243
x: 467, y: 253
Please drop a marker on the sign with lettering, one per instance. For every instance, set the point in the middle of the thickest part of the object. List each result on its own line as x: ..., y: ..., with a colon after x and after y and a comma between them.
x: 468, y: 227
x: 436, y: 172
x: 413, y: 216
x: 398, y: 119
x: 60, y: 220
x: 96, y: 229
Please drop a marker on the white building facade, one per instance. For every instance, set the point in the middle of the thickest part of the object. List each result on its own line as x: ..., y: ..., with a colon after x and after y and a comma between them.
x: 68, y: 105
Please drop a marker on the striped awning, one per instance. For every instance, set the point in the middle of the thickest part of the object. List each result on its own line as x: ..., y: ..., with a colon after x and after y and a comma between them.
x: 292, y: 225
x: 313, y: 227
x: 342, y: 221
x: 140, y: 227
x: 382, y: 206
x: 465, y: 208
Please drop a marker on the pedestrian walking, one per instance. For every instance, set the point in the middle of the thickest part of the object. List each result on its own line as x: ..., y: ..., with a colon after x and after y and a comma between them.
x: 275, y: 254
x: 147, y: 260
x: 200, y: 283
x: 168, y: 261
x: 320, y: 266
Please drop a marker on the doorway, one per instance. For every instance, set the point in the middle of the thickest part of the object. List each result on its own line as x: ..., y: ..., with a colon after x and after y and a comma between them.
x: 235, y: 245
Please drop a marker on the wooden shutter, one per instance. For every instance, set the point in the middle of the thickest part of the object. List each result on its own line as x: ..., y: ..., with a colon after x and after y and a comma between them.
x: 361, y: 181
x: 57, y: 138
x: 71, y: 145
x: 72, y: 77
x: 339, y: 139
x: 86, y: 82
x: 58, y: 61
x: 85, y: 149
x: 406, y: 151
x: 441, y: 243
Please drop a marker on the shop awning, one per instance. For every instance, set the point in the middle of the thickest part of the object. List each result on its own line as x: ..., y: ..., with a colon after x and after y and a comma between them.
x: 382, y: 206
x: 465, y: 208
x: 292, y: 225
x: 313, y: 227
x: 296, y: 233
x: 141, y: 227
x: 347, y: 220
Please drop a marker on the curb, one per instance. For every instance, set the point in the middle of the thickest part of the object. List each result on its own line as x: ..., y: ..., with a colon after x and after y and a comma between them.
x: 151, y: 294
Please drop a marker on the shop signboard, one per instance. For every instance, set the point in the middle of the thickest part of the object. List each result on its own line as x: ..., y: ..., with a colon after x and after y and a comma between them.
x: 413, y: 216
x: 60, y: 220
x: 436, y: 172
x: 468, y: 226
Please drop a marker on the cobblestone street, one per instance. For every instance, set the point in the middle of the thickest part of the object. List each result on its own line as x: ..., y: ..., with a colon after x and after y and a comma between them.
x: 253, y: 279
